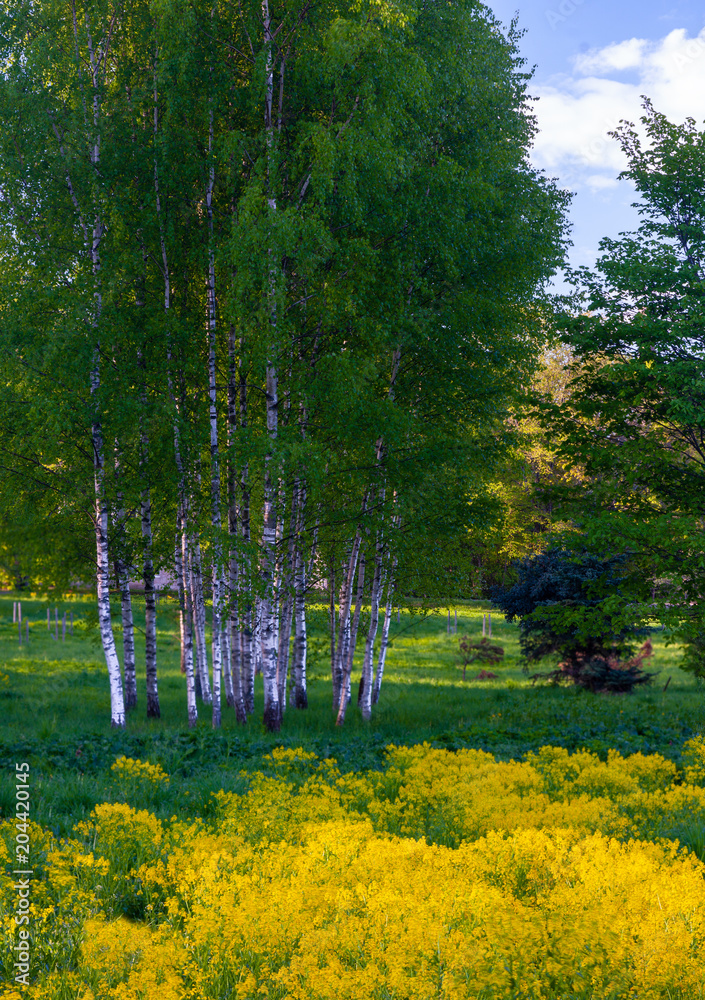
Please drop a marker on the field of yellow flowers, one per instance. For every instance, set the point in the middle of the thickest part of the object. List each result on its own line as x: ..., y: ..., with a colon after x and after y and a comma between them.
x: 445, y: 875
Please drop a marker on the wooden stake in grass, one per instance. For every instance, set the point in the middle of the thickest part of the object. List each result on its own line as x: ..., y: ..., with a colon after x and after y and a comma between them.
x: 448, y: 625
x: 56, y: 624
x: 456, y: 621
x: 19, y: 629
x: 484, y: 625
x: 14, y: 612
x: 26, y: 630
x: 48, y: 621
x: 63, y: 629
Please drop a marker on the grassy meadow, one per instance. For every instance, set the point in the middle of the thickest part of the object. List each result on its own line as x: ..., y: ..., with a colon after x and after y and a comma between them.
x: 477, y: 840
x: 55, y: 708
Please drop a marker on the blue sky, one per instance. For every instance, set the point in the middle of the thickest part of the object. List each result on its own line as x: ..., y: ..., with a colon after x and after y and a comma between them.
x: 593, y: 59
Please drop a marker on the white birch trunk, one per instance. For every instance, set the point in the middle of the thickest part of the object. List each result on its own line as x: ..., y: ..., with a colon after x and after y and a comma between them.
x: 287, y: 598
x: 365, y: 694
x: 117, y: 702
x: 122, y: 577
x: 199, y: 619
x: 309, y: 571
x: 286, y: 621
x: 128, y: 635
x: 217, y: 574
x: 248, y: 665
x: 150, y: 609
x: 348, y: 663
x: 247, y: 659
x: 257, y: 636
x: 183, y: 558
x: 93, y: 241
x: 385, y: 637
x: 179, y: 572
x: 269, y: 622
x: 245, y: 623
x: 346, y: 596
x: 269, y: 639
x: 236, y: 670
x: 227, y: 660
x: 300, y: 692
x: 233, y: 670
x: 331, y: 620
x: 186, y: 619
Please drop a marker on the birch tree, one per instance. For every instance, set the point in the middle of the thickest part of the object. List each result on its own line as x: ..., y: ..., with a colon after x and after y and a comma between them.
x: 336, y: 213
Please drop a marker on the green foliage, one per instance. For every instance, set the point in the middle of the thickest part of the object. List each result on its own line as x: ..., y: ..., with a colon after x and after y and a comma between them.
x: 480, y: 650
x: 557, y: 600
x: 635, y: 417
x: 605, y: 673
x: 408, y: 224
x: 518, y: 517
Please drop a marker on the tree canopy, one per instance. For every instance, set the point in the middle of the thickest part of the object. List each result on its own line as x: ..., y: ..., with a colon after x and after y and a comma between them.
x: 635, y: 418
x: 272, y: 276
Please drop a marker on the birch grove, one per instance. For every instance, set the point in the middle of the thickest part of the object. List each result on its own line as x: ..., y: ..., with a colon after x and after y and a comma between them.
x: 297, y: 292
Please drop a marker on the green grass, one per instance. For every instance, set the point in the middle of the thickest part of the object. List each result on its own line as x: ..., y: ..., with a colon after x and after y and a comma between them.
x: 55, y: 710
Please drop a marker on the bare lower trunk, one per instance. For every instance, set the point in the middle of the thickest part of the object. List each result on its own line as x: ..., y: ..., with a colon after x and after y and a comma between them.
x: 269, y: 638
x: 122, y: 577
x: 128, y: 634
x: 385, y: 637
x: 231, y: 661
x: 364, y: 699
x: 233, y: 674
x: 245, y: 623
x: 300, y: 692
x: 287, y: 598
x: 269, y: 621
x: 216, y: 651
x: 117, y: 701
x: 257, y: 636
x: 247, y: 660
x: 346, y: 596
x: 179, y: 571
x: 92, y: 237
x: 199, y: 620
x: 150, y: 610
x: 244, y: 608
x: 331, y: 620
x: 233, y: 664
x: 287, y: 615
x: 217, y: 578
x: 186, y: 622
x: 309, y: 571
x: 227, y: 653
x: 348, y: 663
x: 236, y: 671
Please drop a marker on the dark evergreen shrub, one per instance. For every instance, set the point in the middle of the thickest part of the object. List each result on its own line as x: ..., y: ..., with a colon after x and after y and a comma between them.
x: 569, y: 606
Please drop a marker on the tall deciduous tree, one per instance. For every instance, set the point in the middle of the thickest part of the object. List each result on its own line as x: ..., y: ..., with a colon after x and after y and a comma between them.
x: 635, y: 418
x: 330, y: 210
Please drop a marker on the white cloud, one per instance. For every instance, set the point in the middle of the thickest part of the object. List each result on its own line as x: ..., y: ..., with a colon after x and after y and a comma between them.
x: 620, y: 56
x: 575, y: 112
x: 599, y: 182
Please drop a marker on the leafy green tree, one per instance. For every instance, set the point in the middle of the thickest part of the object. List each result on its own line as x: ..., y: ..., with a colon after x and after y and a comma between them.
x: 635, y: 418
x: 272, y: 274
